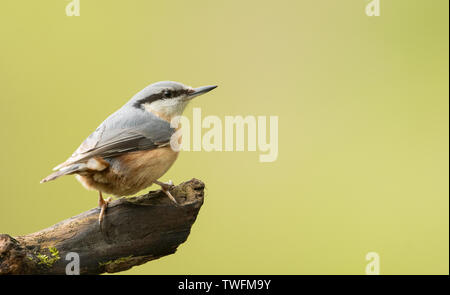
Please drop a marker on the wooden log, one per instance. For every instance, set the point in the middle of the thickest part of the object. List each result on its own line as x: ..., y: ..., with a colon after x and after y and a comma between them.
x: 134, y: 231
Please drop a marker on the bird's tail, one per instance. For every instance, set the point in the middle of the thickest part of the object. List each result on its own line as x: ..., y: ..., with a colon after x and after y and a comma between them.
x: 64, y: 171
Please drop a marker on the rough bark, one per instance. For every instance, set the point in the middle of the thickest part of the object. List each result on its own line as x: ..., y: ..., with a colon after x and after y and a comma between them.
x: 134, y: 231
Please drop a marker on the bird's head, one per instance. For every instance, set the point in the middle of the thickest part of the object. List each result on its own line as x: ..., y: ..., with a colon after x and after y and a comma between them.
x: 167, y: 99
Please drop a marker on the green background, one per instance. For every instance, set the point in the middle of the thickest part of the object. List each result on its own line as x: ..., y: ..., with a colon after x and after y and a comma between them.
x: 363, y: 124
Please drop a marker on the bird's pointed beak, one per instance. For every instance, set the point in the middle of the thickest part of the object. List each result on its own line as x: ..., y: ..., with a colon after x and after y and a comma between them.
x: 200, y: 90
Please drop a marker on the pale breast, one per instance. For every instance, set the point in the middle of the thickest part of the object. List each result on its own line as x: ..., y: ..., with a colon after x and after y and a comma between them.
x: 129, y: 173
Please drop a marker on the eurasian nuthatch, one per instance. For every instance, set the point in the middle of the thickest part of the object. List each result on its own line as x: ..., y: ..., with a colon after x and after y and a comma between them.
x: 131, y: 149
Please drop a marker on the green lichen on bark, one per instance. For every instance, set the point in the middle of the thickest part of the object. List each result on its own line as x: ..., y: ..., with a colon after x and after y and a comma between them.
x: 47, y: 260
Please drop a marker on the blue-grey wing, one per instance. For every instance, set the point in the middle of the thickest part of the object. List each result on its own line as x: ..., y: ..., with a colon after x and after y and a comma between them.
x: 125, y: 131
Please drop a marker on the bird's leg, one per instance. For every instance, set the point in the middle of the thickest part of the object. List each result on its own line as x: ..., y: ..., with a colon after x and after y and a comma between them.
x: 103, y: 204
x: 165, y: 187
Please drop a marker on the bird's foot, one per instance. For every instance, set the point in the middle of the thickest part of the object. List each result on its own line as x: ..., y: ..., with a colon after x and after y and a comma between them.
x: 103, y: 204
x: 165, y: 187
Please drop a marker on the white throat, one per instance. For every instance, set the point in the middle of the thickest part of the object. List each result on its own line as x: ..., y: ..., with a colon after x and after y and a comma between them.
x: 166, y: 108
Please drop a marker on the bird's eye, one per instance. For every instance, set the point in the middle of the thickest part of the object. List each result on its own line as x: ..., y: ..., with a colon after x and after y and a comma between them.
x: 167, y: 93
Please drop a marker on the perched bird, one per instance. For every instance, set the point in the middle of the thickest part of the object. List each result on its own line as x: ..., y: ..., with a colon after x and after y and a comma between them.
x: 131, y: 149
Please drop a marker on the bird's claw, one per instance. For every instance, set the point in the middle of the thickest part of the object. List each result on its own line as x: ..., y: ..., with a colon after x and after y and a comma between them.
x: 103, y: 204
x: 165, y: 187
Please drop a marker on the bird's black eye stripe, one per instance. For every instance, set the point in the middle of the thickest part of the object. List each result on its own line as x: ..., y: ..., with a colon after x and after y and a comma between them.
x: 149, y: 99
x: 167, y: 93
x: 170, y: 93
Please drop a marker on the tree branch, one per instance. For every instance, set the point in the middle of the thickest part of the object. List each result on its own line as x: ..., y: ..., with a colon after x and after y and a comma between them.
x: 135, y: 230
